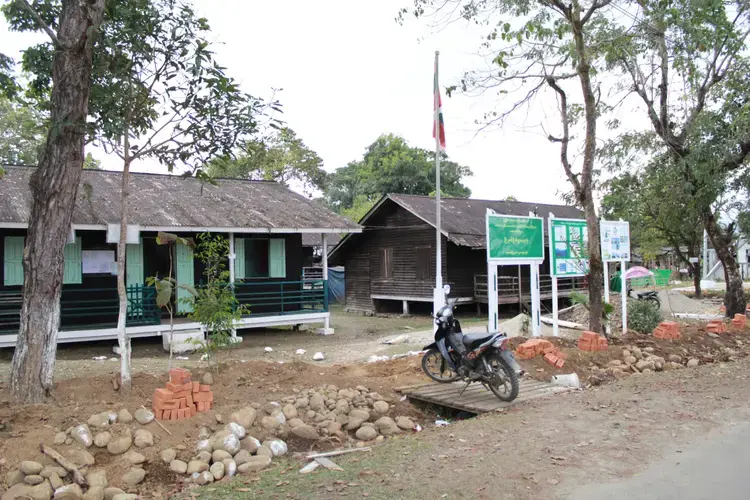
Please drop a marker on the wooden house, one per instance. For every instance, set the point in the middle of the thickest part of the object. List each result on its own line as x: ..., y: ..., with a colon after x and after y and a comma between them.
x: 392, y: 262
x: 263, y: 221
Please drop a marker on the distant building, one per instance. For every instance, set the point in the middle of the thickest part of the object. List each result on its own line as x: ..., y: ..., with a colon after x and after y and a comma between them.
x: 391, y: 264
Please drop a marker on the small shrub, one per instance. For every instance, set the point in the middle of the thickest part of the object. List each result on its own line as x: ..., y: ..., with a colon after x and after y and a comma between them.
x: 643, y: 317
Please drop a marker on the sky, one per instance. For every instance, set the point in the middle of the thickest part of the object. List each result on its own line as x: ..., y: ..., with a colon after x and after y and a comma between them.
x: 349, y: 73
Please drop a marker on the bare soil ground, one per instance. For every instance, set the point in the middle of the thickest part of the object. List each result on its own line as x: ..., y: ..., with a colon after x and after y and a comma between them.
x: 531, y: 451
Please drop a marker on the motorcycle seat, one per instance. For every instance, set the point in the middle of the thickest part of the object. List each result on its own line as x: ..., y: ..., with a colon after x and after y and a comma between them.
x: 643, y: 295
x: 473, y: 340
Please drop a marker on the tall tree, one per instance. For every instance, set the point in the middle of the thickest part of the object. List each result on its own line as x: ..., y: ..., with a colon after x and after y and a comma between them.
x: 687, y: 63
x: 54, y: 186
x: 390, y: 165
x: 538, y: 46
x: 283, y: 158
x: 22, y: 133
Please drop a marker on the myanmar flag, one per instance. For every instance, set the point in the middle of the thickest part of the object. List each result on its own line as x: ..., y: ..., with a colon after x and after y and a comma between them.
x: 439, y: 105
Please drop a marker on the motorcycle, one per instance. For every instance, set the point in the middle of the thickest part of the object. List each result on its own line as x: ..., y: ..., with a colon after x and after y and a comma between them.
x: 489, y: 357
x: 651, y: 296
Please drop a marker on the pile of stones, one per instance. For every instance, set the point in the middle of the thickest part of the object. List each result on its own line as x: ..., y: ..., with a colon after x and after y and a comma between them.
x: 112, y: 431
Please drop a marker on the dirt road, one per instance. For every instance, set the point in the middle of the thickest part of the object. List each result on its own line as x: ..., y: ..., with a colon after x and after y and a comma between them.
x: 565, y: 447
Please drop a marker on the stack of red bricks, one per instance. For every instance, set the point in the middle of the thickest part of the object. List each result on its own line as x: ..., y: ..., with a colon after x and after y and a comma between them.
x: 739, y: 321
x: 534, y: 347
x: 181, y: 398
x: 592, y: 341
x: 667, y: 330
x: 716, y: 326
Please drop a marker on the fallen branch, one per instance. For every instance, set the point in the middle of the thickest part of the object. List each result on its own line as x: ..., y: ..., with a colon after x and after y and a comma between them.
x: 64, y: 463
x: 159, y: 423
x: 336, y: 453
x: 328, y: 464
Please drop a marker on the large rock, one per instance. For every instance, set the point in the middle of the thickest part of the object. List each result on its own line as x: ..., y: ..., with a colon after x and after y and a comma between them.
x: 124, y: 416
x: 203, y: 456
x: 271, y: 407
x: 241, y: 457
x: 264, y: 451
x: 204, y: 445
x: 23, y: 491
x: 97, y: 478
x: 99, y: 420
x: 366, y: 433
x: 277, y: 447
x: 405, y: 423
x: 269, y: 423
x: 133, y: 476
x: 230, y: 467
x: 81, y: 458
x: 202, y: 478
x: 630, y: 360
x: 342, y: 406
x: 53, y: 469
x: 143, y: 416
x: 143, y: 438
x: 674, y: 358
x: 295, y: 422
x: 226, y: 441
x: 168, y: 455
x: 134, y: 457
x: 317, y: 402
x: 236, y: 429
x: 380, y: 407
x: 250, y: 444
x: 644, y: 364
x: 219, y: 455
x: 207, y: 379
x: 94, y: 493
x: 102, y: 439
x: 290, y: 411
x: 255, y: 464
x: 28, y: 467
x: 82, y: 435
x: 354, y: 423
x: 33, y: 479
x: 110, y: 493
x: 60, y: 438
x: 14, y: 477
x: 279, y: 416
x: 386, y: 426
x: 306, y: 432
x: 245, y: 417
x: 69, y: 492
x: 178, y: 466
x: 302, y: 403
x: 55, y: 481
x: 196, y: 466
x: 121, y: 443
x: 361, y: 414
x: 217, y: 470
x: 693, y: 362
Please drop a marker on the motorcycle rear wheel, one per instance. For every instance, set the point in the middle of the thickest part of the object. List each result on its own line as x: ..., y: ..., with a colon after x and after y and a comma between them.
x: 504, y: 380
x: 436, y: 367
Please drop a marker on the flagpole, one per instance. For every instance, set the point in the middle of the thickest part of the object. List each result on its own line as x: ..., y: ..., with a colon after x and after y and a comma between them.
x: 438, y: 297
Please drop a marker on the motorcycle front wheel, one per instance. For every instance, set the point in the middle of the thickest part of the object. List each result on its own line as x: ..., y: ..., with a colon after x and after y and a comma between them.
x: 437, y: 368
x: 655, y: 302
x: 503, y: 381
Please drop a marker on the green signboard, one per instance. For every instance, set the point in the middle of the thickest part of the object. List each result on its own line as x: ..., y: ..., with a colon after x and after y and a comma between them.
x: 568, y: 246
x: 514, y: 239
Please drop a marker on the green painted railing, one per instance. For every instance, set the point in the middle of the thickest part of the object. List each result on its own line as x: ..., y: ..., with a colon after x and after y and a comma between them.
x: 86, y: 308
x: 284, y: 297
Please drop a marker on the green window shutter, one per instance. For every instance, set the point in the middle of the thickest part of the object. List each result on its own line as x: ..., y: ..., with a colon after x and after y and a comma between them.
x: 73, y: 274
x: 184, y: 275
x: 277, y: 258
x: 134, y: 264
x: 13, y: 261
x: 239, y: 258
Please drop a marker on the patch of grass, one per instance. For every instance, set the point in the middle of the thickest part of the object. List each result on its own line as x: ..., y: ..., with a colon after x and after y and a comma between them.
x: 366, y: 472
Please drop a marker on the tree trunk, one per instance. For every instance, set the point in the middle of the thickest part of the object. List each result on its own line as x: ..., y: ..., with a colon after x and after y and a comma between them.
x: 122, y: 336
x: 697, y: 280
x: 596, y: 269
x: 54, y: 186
x: 734, y: 298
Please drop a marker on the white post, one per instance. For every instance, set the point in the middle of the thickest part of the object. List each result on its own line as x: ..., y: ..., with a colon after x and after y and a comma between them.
x: 492, y: 299
x: 606, y: 291
x: 555, y: 306
x: 705, y: 254
x: 231, y: 271
x: 624, y: 293
x: 535, y: 313
x: 327, y: 330
x: 438, y: 297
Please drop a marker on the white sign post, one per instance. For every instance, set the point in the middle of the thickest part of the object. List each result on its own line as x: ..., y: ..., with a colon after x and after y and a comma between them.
x: 514, y: 240
x: 568, y: 243
x: 615, y: 239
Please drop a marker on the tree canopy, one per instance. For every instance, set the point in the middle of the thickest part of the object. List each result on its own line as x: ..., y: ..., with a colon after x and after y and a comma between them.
x: 283, y: 158
x: 22, y: 135
x: 391, y: 165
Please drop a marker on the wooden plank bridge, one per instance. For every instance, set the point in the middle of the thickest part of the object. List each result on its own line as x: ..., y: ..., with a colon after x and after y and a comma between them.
x: 477, y: 399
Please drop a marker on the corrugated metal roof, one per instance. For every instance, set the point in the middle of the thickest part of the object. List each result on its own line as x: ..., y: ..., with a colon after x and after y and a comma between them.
x: 179, y: 202
x: 463, y: 219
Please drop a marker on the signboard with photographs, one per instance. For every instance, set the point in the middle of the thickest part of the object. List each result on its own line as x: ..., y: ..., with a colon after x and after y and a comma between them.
x: 615, y: 241
x: 568, y: 243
